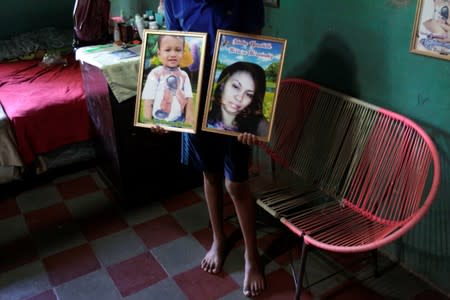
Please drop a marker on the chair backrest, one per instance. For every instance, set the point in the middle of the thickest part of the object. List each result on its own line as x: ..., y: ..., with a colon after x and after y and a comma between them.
x: 374, y: 161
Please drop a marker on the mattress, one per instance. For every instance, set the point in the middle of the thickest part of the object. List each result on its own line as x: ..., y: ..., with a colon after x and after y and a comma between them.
x: 45, y: 105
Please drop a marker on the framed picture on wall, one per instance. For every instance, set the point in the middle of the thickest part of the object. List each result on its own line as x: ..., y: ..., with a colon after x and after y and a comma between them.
x: 169, y: 80
x: 431, y: 33
x: 243, y: 84
x: 272, y: 3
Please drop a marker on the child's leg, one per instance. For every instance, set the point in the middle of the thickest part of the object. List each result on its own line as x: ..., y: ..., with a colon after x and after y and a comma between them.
x: 245, y: 207
x: 213, y: 260
x: 253, y: 166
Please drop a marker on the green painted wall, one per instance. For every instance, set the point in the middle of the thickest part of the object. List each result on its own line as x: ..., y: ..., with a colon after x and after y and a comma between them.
x: 365, y: 45
x: 18, y: 16
x: 131, y: 7
x: 361, y: 48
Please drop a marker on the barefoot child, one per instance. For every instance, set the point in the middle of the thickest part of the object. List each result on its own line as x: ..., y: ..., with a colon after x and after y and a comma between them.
x: 220, y: 156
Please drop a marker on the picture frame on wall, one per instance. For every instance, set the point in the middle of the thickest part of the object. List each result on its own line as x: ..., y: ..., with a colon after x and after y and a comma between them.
x: 431, y: 34
x: 272, y: 3
x: 243, y: 84
x: 169, y: 80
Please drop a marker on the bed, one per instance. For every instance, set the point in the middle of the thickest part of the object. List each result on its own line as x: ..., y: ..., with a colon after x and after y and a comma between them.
x: 44, y: 122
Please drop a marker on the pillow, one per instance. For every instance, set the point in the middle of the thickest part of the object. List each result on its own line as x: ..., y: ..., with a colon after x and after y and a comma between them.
x: 34, y: 44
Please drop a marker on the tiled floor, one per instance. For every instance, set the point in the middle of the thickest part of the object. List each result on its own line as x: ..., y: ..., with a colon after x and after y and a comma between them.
x: 69, y: 239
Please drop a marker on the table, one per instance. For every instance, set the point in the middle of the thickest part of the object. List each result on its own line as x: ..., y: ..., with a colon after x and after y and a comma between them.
x: 137, y: 164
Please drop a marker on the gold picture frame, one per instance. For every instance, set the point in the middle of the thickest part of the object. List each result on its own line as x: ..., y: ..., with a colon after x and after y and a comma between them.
x: 431, y: 32
x: 247, y: 67
x: 169, y: 82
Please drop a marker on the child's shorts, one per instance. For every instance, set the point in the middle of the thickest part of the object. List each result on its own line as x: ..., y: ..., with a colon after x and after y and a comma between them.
x: 212, y: 152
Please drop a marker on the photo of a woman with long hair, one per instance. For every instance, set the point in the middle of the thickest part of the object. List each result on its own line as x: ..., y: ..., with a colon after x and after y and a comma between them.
x: 237, y: 102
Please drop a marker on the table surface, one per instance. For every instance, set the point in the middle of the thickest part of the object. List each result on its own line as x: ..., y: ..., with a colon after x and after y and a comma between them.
x: 120, y: 66
x: 106, y: 55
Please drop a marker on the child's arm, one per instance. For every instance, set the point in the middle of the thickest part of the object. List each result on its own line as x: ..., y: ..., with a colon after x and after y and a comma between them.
x: 148, y: 109
x: 188, y: 97
x: 148, y: 93
x: 189, y: 111
x: 181, y: 93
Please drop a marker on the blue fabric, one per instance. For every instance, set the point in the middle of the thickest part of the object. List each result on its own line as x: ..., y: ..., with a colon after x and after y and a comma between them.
x: 436, y: 45
x: 211, y: 151
x: 208, y: 16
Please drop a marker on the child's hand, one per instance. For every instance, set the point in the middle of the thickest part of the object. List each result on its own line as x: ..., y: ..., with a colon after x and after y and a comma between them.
x: 158, y: 130
x: 248, y: 138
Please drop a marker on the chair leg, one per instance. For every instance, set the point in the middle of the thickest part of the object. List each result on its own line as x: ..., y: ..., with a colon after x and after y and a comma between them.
x: 273, y: 169
x: 301, y: 273
x: 375, y: 261
x: 399, y: 249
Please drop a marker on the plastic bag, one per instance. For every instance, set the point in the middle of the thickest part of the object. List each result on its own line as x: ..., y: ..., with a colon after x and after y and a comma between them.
x: 91, y: 22
x: 54, y: 59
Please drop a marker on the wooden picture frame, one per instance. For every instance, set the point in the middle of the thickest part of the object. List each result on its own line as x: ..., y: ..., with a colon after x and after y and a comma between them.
x: 431, y: 34
x: 247, y: 67
x: 168, y: 94
x: 272, y: 3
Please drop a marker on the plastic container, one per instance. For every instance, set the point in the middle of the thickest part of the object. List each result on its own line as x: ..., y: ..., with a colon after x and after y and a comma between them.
x: 159, y: 16
x: 153, y: 25
x: 140, y: 25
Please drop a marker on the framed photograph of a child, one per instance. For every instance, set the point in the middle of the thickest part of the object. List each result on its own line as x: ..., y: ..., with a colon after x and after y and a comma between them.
x: 431, y: 33
x: 243, y: 84
x: 169, y: 80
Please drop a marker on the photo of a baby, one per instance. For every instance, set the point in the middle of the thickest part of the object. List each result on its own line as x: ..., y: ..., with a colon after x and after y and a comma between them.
x: 168, y: 80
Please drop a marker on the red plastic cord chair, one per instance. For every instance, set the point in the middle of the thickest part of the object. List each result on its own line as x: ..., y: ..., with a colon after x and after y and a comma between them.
x: 359, y: 176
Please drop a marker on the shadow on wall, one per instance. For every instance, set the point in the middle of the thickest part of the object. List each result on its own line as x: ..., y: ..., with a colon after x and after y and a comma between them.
x: 332, y: 65
x: 426, y: 249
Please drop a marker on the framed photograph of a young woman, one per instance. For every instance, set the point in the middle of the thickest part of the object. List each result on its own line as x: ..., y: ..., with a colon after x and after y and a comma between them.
x: 169, y: 80
x: 243, y: 84
x: 431, y: 33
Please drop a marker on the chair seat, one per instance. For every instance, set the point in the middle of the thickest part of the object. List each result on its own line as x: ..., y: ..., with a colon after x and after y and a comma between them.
x: 324, y: 221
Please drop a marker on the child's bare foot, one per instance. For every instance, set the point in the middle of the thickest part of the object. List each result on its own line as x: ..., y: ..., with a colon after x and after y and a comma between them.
x: 213, y: 260
x: 254, y: 282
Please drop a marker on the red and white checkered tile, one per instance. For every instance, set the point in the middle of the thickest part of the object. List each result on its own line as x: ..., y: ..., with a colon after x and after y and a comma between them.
x: 69, y: 239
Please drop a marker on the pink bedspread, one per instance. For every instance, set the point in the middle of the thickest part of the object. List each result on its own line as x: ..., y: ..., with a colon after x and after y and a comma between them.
x: 45, y: 105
